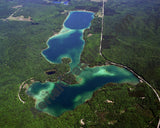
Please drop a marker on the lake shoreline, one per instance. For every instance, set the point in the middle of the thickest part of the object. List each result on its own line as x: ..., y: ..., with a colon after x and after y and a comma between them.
x: 96, y: 76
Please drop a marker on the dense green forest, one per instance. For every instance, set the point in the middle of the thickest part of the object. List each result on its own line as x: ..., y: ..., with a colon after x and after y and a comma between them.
x: 90, y: 54
x: 131, y: 36
x: 114, y: 105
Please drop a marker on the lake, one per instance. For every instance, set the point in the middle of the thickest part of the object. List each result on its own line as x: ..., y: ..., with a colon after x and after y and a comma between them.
x: 57, y: 97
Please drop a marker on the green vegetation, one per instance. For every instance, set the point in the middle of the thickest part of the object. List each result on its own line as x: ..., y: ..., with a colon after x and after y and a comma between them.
x: 131, y: 36
x: 66, y: 60
x: 90, y: 54
x: 6, y: 8
x: 20, y: 59
x: 115, y: 105
x: 20, y: 47
x: 85, y: 5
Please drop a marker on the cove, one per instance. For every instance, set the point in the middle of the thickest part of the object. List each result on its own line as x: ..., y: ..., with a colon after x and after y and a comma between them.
x: 55, y: 98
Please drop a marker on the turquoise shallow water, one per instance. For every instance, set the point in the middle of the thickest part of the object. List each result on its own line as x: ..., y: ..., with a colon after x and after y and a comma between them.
x: 69, y: 42
x: 57, y: 97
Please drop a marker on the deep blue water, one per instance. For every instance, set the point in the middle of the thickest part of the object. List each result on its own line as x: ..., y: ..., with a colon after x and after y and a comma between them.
x: 69, y: 42
x: 63, y: 2
x: 57, y: 97
x: 70, y: 46
x: 82, y: 20
x: 65, y: 100
x: 62, y: 97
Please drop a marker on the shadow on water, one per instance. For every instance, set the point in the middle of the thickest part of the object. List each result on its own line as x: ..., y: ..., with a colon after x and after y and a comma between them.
x: 58, y: 97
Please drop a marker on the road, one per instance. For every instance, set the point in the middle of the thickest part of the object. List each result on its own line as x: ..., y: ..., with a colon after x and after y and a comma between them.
x: 20, y: 89
x: 123, y: 66
x: 100, y: 48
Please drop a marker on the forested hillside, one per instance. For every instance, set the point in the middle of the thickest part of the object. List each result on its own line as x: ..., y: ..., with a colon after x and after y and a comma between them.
x: 131, y: 36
